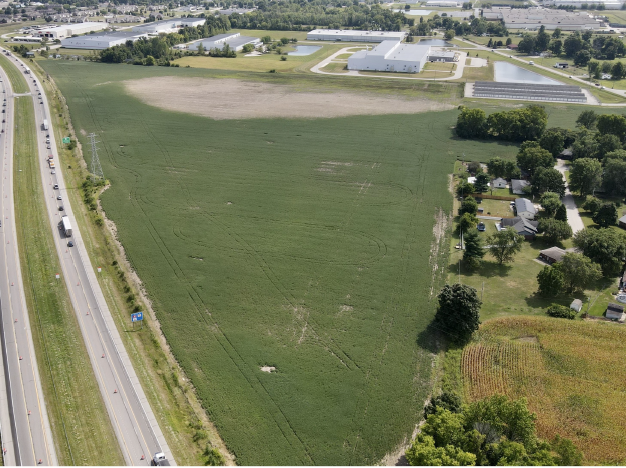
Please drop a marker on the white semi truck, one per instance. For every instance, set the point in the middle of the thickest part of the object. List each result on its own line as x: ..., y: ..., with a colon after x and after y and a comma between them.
x: 67, y: 227
x: 45, y: 124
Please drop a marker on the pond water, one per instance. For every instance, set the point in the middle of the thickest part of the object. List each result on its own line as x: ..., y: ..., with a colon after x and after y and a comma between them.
x: 436, y: 43
x: 305, y: 50
x: 508, y: 73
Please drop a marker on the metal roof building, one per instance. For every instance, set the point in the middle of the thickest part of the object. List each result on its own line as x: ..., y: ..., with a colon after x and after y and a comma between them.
x: 234, y: 40
x: 170, y: 25
x: 391, y: 56
x: 534, y: 18
x: 354, y: 35
x: 59, y: 32
x: 101, y: 41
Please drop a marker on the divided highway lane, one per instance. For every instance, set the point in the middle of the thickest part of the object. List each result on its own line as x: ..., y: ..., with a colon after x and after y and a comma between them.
x: 27, y: 438
x: 132, y: 418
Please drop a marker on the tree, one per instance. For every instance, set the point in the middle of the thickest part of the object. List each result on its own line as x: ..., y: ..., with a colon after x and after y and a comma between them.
x: 469, y: 205
x: 550, y: 202
x: 561, y: 214
x: 551, y: 280
x: 567, y: 453
x: 482, y: 182
x: 591, y: 204
x: 474, y: 252
x: 474, y: 167
x: 594, y: 69
x: 585, y: 145
x: 449, y: 34
x: 467, y: 222
x: 531, y: 156
x: 579, y: 271
x: 542, y: 40
x: 471, y: 123
x: 557, y: 33
x: 619, y: 155
x: 613, y: 124
x: 618, y: 71
x: 497, y: 167
x: 559, y: 311
x: 607, y: 143
x: 587, y: 119
x: 527, y: 44
x: 150, y: 61
x: 423, y: 452
x: 614, y: 177
x: 553, y: 141
x: 572, y: 44
x: 582, y: 57
x: 458, y: 312
x: 606, y: 215
x: 509, y: 41
x: 607, y: 247
x: 464, y: 189
x: 556, y: 46
x: 548, y: 180
x: 201, y: 49
x: 554, y: 230
x: 585, y: 175
x: 446, y: 400
x: 503, y: 245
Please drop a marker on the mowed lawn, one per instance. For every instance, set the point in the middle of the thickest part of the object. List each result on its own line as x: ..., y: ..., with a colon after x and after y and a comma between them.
x: 303, y: 245
x: 571, y: 373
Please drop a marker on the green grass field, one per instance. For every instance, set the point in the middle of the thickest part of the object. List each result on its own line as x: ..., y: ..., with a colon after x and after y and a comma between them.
x: 298, y: 244
x: 18, y: 83
x: 80, y: 426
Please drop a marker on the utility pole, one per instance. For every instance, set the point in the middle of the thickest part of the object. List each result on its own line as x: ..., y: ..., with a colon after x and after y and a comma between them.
x: 96, y: 168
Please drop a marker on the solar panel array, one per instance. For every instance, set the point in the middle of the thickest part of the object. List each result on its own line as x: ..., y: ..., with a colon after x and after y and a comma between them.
x: 529, y: 91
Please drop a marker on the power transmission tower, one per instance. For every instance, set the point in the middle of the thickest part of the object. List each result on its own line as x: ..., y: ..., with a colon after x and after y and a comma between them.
x: 96, y: 168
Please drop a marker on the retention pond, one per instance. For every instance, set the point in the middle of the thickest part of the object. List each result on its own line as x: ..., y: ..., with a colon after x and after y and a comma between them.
x: 508, y: 73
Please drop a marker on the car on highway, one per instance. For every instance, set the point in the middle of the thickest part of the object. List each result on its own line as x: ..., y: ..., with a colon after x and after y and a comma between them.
x: 70, y: 244
x: 53, y: 171
x: 55, y: 186
x: 59, y: 197
x: 61, y: 208
x: 48, y: 146
x: 3, y: 120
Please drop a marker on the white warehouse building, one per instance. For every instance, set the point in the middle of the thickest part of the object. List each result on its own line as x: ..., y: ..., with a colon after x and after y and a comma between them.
x: 391, y: 56
x: 234, y: 40
x: 347, y: 35
x: 167, y: 26
x: 59, y: 32
x: 101, y: 41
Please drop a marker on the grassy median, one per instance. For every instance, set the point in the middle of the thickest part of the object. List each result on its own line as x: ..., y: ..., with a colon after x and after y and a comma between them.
x: 82, y: 431
x: 18, y: 83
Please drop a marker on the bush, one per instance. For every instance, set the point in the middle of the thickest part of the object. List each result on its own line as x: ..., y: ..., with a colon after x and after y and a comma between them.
x: 559, y: 311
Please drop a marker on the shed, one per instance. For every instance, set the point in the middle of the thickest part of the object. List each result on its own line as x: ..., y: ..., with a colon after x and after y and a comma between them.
x: 622, y: 222
x: 552, y: 255
x: 498, y: 183
x: 576, y: 305
x: 615, y: 311
x: 525, y: 208
x: 517, y: 186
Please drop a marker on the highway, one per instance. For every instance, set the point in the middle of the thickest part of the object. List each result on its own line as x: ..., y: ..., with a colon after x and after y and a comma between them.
x: 133, y: 421
x: 26, y: 435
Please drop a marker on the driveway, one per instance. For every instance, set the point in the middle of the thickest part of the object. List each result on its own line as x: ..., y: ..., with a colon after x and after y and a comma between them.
x: 573, y: 217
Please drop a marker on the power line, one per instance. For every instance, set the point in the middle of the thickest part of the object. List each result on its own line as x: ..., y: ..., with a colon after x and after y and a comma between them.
x: 96, y: 168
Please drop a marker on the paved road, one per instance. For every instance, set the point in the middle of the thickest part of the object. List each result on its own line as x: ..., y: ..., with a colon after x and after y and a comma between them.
x: 26, y: 434
x: 573, y: 216
x: 132, y: 418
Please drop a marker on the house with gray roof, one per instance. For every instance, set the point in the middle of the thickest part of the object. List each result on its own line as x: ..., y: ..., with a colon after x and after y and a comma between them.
x: 517, y: 186
x: 498, y: 183
x: 622, y: 222
x: 522, y: 226
x: 525, y: 208
x: 615, y: 311
x: 552, y: 255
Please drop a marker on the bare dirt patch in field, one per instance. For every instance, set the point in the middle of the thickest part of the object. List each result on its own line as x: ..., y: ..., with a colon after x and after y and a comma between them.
x: 236, y: 99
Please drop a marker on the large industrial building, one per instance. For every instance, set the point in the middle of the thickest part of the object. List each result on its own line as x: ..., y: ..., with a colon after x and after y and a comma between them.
x: 68, y: 30
x: 354, y: 35
x: 607, y: 4
x: 234, y: 40
x: 168, y: 26
x: 443, y: 3
x: 391, y: 56
x: 101, y: 41
x: 534, y: 18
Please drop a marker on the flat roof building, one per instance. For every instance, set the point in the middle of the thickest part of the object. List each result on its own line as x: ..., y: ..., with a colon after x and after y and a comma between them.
x: 534, y: 18
x: 443, y: 3
x: 234, y: 40
x: 391, y: 56
x: 170, y: 25
x: 608, y: 5
x: 354, y: 35
x: 101, y: 41
x: 67, y: 30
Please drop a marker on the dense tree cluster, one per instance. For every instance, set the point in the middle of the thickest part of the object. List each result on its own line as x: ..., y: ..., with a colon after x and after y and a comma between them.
x: 523, y: 124
x: 452, y: 27
x: 458, y: 312
x: 493, y: 432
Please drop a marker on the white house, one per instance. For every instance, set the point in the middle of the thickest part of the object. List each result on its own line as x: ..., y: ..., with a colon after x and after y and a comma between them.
x: 498, y: 183
x: 525, y: 208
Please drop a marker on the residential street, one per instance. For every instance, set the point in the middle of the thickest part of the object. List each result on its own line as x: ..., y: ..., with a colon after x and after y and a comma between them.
x: 573, y: 217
